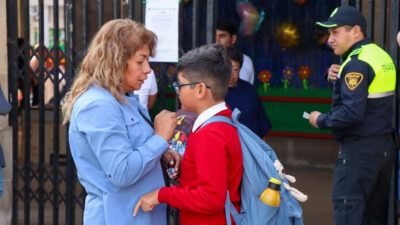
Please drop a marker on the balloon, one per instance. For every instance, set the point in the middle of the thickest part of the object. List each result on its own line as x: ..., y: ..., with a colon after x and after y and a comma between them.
x: 251, y: 18
x: 288, y: 35
x: 300, y: 2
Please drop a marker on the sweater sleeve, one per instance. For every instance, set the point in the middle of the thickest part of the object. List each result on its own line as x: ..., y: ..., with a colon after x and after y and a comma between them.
x: 209, y: 152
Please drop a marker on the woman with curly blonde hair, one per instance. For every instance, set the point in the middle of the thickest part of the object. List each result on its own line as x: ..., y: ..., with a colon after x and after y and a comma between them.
x: 114, y: 146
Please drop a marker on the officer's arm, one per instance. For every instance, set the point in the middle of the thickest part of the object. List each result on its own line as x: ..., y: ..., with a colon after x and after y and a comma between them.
x: 354, y: 83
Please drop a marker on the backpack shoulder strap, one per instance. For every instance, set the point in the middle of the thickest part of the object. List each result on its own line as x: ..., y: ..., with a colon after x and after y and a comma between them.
x: 218, y: 119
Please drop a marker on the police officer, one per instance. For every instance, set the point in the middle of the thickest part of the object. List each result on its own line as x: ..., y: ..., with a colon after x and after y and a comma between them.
x: 360, y: 119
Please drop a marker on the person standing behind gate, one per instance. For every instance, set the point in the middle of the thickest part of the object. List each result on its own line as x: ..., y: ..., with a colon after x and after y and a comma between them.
x: 226, y: 35
x: 148, y: 92
x: 242, y: 95
x: 361, y: 120
x: 115, y: 149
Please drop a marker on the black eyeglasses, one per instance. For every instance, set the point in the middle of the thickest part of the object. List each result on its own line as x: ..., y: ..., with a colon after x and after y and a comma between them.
x: 177, y: 86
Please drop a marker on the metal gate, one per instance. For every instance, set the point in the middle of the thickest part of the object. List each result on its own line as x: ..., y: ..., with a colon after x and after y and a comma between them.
x: 46, y: 41
x: 45, y: 186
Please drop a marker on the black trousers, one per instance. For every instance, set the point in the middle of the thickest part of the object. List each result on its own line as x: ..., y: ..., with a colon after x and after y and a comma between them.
x: 361, y: 182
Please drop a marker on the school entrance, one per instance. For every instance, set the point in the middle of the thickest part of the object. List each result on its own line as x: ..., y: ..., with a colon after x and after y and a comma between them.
x: 56, y: 33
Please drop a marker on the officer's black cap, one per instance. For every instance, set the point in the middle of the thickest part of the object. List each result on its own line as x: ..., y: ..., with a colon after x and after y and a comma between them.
x: 345, y: 15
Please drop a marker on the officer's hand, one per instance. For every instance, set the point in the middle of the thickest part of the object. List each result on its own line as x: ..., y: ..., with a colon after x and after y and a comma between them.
x: 313, y: 118
x: 333, y: 72
x: 164, y: 124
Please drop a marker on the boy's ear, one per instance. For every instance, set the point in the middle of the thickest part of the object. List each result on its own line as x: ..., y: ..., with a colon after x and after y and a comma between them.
x: 202, y: 91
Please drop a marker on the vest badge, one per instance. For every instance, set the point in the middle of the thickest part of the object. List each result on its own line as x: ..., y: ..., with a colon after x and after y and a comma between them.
x: 353, y: 80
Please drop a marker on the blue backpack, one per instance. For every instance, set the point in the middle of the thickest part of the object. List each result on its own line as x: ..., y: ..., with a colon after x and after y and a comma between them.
x: 258, y: 167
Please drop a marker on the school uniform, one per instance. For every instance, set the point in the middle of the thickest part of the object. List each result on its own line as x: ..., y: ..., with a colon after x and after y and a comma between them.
x: 212, y: 164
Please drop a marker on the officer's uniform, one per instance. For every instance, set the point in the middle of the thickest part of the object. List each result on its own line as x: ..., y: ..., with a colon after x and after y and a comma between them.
x: 361, y: 120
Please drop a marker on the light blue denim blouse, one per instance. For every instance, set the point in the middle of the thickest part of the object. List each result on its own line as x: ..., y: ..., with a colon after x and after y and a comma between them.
x: 117, y: 156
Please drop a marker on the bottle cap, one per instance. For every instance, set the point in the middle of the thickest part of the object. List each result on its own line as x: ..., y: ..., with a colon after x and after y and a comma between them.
x: 275, y: 181
x: 274, y: 184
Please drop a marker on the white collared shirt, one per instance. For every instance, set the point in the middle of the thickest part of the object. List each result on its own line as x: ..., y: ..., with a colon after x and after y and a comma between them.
x: 207, y: 114
x: 149, y: 87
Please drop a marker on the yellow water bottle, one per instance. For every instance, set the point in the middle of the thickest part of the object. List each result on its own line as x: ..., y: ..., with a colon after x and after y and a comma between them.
x: 271, y: 195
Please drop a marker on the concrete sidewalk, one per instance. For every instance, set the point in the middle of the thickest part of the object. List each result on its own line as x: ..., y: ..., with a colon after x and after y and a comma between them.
x: 317, y: 184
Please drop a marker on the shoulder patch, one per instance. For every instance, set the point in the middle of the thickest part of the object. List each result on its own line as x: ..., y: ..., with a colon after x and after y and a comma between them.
x: 353, y: 80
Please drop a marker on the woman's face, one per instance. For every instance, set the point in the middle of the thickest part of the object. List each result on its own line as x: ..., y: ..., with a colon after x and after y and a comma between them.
x: 137, y: 69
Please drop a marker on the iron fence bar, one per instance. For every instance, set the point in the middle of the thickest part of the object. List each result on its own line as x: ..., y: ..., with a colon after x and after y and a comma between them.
x: 210, y: 23
x: 383, y: 22
x: 393, y: 28
x: 11, y: 9
x: 42, y: 72
x: 27, y: 123
x: 69, y: 214
x: 195, y: 23
x: 358, y: 5
x: 371, y: 19
x: 344, y: 2
x: 116, y: 9
x: 131, y: 8
x: 85, y: 13
x: 100, y: 12
x: 181, y: 22
x: 69, y: 205
x: 143, y: 16
x: 163, y: 85
x: 56, y: 112
x: 27, y: 148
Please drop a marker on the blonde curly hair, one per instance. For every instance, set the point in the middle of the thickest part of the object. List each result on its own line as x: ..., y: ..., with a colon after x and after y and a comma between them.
x: 106, y: 59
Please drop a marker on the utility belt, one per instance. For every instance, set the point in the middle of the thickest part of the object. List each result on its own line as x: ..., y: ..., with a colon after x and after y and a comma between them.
x: 393, y: 135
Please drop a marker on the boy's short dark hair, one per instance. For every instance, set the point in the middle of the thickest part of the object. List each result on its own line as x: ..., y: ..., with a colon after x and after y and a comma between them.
x: 208, y: 64
x: 235, y: 55
x: 228, y: 26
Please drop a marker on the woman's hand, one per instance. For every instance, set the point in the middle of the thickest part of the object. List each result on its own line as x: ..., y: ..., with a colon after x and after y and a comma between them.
x: 164, y: 124
x: 172, y: 159
x: 147, y: 202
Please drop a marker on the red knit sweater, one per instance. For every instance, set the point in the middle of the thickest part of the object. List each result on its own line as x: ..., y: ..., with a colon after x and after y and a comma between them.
x: 212, y: 164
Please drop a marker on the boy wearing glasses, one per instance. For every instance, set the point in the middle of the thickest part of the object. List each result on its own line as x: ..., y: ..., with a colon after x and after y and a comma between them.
x: 212, y: 163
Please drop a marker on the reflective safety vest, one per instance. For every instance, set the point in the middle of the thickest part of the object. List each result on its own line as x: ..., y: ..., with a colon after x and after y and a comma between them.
x: 381, y: 63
